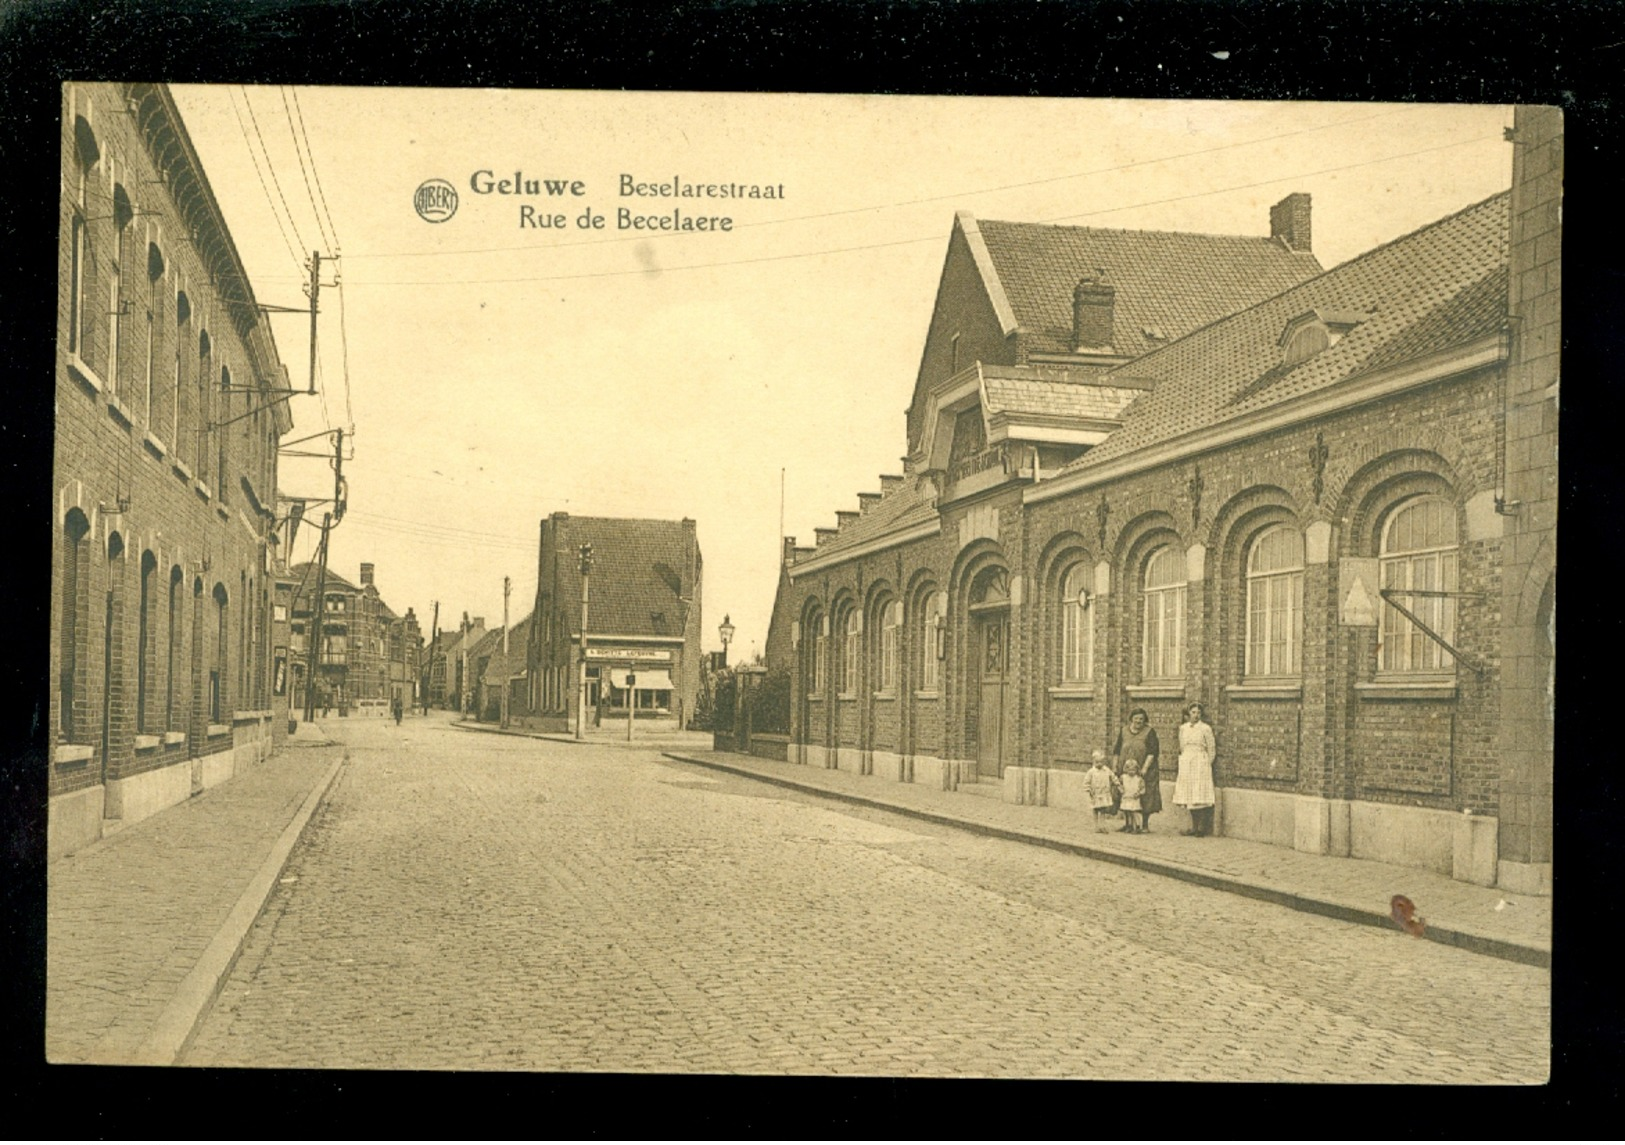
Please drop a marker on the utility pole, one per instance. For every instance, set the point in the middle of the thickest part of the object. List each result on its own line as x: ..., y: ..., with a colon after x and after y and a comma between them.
x: 434, y: 644
x: 585, y: 553
x: 316, y: 622
x: 315, y: 288
x: 507, y: 586
x: 462, y: 673
x: 319, y: 605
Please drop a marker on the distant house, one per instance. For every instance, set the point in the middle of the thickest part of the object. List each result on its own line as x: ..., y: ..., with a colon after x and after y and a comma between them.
x: 498, y: 670
x: 368, y: 652
x: 643, y: 619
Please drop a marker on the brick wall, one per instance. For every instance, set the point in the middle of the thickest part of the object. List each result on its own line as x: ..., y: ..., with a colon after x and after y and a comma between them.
x: 129, y: 467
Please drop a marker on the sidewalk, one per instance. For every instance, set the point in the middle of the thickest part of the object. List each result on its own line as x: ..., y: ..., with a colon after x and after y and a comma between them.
x: 1483, y: 920
x: 143, y: 925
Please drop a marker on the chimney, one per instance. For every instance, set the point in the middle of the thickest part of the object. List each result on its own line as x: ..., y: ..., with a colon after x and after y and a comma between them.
x: 1289, y: 221
x: 787, y: 554
x: 478, y: 622
x: 1093, y: 302
x: 366, y: 573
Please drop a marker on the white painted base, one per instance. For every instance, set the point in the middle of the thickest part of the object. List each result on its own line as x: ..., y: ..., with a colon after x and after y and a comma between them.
x: 1405, y: 836
x: 1320, y: 826
x: 887, y: 765
x: 815, y: 755
x: 1525, y: 878
x: 73, y: 822
x: 849, y: 759
x: 1475, y: 849
x: 793, y: 752
x: 1067, y: 788
x: 133, y: 799
x: 217, y: 768
x: 1026, y: 785
x: 935, y: 773
x: 1261, y: 816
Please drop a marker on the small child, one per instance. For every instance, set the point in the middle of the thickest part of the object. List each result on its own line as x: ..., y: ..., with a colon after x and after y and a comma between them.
x: 1103, y: 787
x: 1133, y: 789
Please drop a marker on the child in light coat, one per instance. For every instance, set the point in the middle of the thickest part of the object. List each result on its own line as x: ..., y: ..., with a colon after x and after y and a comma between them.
x: 1103, y: 788
x: 1133, y: 791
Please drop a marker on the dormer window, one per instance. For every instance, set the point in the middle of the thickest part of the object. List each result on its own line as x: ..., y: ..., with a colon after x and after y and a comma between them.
x: 1314, y: 331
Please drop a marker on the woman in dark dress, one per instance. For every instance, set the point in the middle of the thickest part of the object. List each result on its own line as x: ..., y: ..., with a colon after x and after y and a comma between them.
x: 1138, y: 741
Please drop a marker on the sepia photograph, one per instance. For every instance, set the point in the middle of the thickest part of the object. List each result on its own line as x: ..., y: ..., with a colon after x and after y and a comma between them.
x: 700, y: 583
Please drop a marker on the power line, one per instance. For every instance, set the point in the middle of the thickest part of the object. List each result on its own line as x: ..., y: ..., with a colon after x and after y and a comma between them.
x: 271, y: 167
x: 344, y: 350
x: 916, y: 202
x: 922, y: 238
x: 315, y: 172
x: 243, y: 127
x: 293, y: 133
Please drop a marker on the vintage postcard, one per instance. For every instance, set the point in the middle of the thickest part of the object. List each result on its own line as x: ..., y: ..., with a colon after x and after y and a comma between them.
x: 593, y: 581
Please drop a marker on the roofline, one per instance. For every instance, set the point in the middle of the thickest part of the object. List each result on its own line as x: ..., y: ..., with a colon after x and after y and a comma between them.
x: 983, y: 258
x: 1488, y: 350
x: 1151, y: 355
x: 878, y: 544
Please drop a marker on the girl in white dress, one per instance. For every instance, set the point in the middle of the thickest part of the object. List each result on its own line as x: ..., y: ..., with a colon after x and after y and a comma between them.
x: 1193, y: 790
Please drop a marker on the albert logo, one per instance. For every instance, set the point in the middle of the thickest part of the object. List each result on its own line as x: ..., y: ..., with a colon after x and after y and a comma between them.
x: 435, y: 200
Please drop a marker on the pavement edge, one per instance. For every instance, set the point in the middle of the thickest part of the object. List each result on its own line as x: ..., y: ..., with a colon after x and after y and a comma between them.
x: 184, y: 1012
x: 1344, y: 912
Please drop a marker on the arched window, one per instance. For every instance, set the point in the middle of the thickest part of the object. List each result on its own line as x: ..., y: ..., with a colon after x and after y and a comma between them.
x: 1163, y: 607
x: 1418, y: 555
x: 891, y: 621
x: 849, y: 652
x: 155, y: 302
x: 1077, y: 624
x: 217, y: 674
x: 86, y: 152
x: 820, y: 656
x: 933, y: 623
x: 122, y: 214
x: 143, y: 644
x: 172, y: 655
x: 1275, y: 603
x: 73, y: 628
x: 205, y: 407
x: 220, y: 435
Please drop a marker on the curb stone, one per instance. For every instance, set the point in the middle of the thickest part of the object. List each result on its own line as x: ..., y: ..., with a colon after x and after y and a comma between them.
x: 196, y: 994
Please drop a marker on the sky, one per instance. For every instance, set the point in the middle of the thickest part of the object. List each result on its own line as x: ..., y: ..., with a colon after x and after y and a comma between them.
x: 489, y: 372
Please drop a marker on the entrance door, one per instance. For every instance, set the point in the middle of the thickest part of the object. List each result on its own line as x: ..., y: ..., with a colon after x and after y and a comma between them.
x: 993, y: 632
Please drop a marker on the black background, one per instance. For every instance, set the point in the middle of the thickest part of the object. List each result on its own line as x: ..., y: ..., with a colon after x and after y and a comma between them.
x: 1564, y: 53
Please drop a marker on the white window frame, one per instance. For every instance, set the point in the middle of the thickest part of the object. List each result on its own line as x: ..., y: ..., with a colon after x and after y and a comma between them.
x: 1274, y: 616
x: 890, y: 623
x: 820, y: 659
x: 849, y: 653
x: 1162, y: 610
x: 1402, y: 648
x: 1077, y: 624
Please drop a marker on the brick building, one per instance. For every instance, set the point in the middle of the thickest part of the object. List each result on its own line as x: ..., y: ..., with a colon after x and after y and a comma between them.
x: 1226, y: 487
x: 165, y: 469
x: 643, y: 618
x: 369, y: 656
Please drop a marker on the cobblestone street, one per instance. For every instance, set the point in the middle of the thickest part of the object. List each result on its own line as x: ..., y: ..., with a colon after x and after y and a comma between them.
x: 465, y: 901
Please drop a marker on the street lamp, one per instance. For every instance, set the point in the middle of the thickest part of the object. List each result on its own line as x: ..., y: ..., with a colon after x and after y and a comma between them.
x: 726, y: 631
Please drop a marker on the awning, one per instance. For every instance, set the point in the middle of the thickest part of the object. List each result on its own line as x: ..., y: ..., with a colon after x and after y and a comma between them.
x: 649, y: 679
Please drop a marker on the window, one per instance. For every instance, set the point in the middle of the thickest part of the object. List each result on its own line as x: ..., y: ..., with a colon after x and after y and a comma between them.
x: 149, y: 566
x: 217, y: 674
x: 1275, y: 603
x: 86, y: 152
x: 933, y: 623
x: 76, y: 289
x: 220, y: 438
x: 172, y: 653
x: 1163, y: 604
x: 820, y: 657
x: 1077, y: 624
x: 75, y: 589
x: 205, y: 408
x: 1418, y: 554
x: 891, y: 621
x: 122, y: 214
x: 183, y: 312
x: 155, y: 296
x: 849, y: 652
